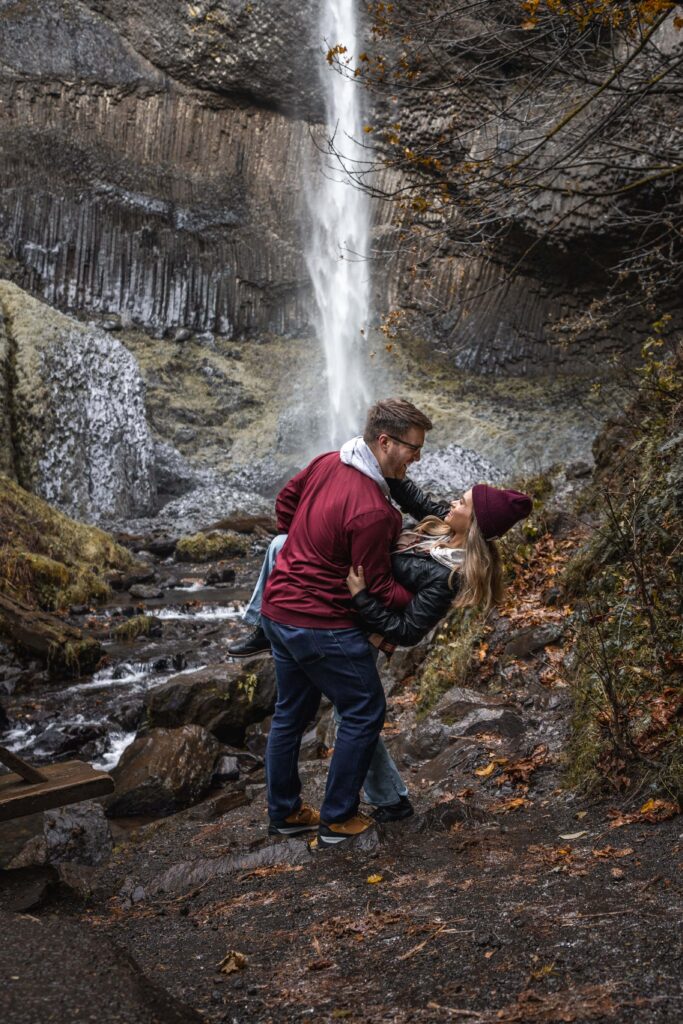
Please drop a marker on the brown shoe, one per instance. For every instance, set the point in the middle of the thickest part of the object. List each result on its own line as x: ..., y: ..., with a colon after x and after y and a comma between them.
x: 342, y: 831
x: 306, y: 819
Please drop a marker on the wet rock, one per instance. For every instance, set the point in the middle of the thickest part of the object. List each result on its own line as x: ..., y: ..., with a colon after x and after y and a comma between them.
x: 174, y: 474
x: 221, y: 575
x: 499, y: 720
x: 406, y: 660
x: 426, y: 740
x: 161, y: 547
x: 225, y: 699
x: 527, y: 641
x: 460, y: 701
x: 32, y: 854
x: 79, y: 878
x: 163, y: 771
x: 256, y: 737
x: 23, y: 889
x: 228, y: 802
x: 81, y: 437
x: 227, y: 770
x: 145, y: 593
x: 125, y: 580
x: 182, y: 334
x: 77, y: 834
x: 188, y: 874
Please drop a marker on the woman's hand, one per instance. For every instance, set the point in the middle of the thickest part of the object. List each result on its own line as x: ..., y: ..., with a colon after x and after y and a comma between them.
x: 355, y: 581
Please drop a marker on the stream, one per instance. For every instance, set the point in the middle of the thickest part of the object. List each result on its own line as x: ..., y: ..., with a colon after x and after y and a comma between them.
x: 95, y: 717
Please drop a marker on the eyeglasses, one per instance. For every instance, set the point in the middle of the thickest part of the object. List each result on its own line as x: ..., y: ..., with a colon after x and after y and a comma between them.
x: 406, y: 444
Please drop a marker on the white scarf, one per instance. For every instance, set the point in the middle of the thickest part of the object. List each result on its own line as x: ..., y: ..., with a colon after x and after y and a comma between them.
x: 357, y: 453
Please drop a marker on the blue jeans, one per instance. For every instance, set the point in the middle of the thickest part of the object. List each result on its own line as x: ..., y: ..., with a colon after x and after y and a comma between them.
x: 308, y: 663
x: 383, y: 784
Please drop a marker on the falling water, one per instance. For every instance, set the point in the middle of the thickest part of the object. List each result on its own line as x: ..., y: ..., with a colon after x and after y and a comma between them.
x: 339, y: 240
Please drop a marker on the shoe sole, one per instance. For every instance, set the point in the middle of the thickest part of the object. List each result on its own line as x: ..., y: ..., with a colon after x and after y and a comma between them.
x: 289, y: 830
x: 336, y: 840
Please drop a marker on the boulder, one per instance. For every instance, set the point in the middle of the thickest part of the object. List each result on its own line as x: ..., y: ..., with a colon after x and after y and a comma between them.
x: 407, y: 660
x: 460, y: 712
x: 77, y: 834
x: 79, y: 430
x: 224, y: 699
x: 426, y: 740
x: 145, y: 593
x: 527, y: 641
x: 163, y: 771
x: 256, y: 737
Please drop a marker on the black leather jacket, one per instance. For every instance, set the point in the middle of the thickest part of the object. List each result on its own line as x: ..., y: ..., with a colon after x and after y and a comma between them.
x: 419, y: 573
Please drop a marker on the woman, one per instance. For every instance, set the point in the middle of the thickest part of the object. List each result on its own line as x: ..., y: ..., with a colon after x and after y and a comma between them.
x: 452, y: 551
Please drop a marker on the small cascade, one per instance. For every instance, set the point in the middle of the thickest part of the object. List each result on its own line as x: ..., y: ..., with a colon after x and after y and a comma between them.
x: 338, y: 243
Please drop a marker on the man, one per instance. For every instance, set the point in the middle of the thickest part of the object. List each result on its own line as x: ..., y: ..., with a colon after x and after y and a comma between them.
x: 335, y: 517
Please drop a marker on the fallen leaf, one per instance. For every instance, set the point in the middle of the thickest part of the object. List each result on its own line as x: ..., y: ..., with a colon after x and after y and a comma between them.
x: 511, y: 804
x: 659, y: 810
x: 320, y: 965
x: 484, y: 773
x: 574, y: 835
x: 489, y: 953
x: 374, y: 879
x: 611, y: 851
x: 581, y: 814
x: 232, y: 962
x: 617, y: 873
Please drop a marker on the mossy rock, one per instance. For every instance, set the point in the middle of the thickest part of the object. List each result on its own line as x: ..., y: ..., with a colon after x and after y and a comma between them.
x: 209, y: 547
x: 138, y: 625
x: 48, y: 560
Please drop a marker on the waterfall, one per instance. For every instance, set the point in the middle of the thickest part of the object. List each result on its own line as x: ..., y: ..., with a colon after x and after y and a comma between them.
x: 338, y: 242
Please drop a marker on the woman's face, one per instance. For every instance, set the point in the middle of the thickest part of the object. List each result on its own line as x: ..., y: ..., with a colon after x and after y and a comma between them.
x: 460, y: 514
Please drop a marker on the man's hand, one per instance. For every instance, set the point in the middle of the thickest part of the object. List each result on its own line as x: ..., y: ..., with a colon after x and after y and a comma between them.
x: 355, y: 581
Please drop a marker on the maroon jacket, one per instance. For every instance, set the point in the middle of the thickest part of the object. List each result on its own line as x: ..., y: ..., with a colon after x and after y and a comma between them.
x: 335, y: 517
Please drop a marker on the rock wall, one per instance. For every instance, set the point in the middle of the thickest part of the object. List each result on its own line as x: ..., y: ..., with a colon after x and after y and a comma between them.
x: 151, y: 165
x: 76, y: 426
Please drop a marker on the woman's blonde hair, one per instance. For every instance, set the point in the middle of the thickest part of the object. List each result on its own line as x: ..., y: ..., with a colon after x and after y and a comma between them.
x: 482, y: 571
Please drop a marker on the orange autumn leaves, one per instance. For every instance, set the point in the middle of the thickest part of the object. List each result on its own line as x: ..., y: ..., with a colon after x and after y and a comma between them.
x: 625, y: 14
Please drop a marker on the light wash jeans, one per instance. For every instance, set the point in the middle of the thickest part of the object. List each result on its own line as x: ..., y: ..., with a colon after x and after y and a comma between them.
x: 383, y: 784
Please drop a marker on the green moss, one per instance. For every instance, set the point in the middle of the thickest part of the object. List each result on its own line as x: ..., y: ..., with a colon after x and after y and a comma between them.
x: 450, y: 659
x: 209, y: 547
x: 48, y: 560
x: 131, y: 629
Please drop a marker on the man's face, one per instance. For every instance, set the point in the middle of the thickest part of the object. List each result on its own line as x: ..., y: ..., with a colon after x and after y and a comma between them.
x: 396, y: 452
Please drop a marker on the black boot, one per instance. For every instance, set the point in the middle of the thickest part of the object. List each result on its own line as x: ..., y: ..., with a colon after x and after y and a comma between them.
x: 255, y: 642
x: 394, y: 812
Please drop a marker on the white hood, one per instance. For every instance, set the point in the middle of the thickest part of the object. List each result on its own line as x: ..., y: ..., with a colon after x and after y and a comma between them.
x: 357, y: 453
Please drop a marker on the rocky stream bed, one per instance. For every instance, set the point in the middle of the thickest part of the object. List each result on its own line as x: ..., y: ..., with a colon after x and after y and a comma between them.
x: 507, y: 897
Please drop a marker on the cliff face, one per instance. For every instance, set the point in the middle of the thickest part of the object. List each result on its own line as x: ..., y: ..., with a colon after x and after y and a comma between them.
x: 151, y: 158
x: 73, y: 422
x: 124, y: 191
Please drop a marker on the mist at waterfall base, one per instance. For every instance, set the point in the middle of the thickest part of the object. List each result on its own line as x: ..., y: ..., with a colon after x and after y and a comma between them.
x: 337, y: 245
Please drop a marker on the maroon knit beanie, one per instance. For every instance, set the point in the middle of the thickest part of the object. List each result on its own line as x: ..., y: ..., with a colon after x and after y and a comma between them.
x: 497, y: 510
